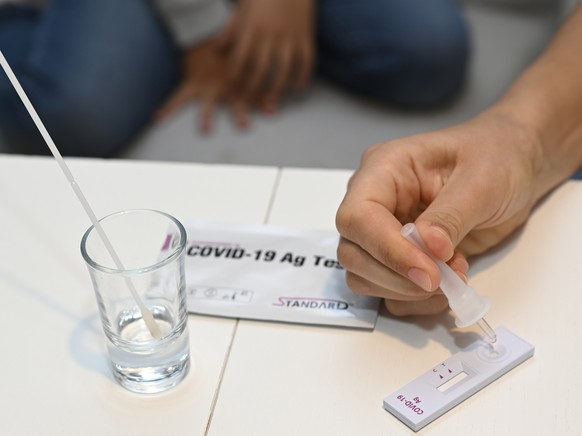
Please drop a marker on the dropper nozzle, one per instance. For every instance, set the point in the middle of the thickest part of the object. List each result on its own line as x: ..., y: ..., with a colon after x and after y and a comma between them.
x: 489, y: 332
x: 468, y: 306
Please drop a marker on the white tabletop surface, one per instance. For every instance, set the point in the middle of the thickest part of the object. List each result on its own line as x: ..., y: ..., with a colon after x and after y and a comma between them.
x: 284, y: 379
x: 54, y: 377
x: 264, y: 378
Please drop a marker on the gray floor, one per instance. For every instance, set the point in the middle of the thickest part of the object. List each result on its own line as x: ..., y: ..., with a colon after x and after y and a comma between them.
x: 328, y: 128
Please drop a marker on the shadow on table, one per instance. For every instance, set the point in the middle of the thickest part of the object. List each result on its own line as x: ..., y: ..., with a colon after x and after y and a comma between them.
x: 418, y: 331
x: 87, y: 345
x: 35, y: 294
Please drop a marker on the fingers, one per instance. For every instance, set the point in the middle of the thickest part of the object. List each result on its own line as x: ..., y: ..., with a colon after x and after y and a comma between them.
x: 268, y: 73
x: 207, y: 112
x: 226, y: 38
x: 241, y: 59
x: 430, y: 306
x: 451, y: 215
x: 305, y: 66
x: 251, y: 72
x: 209, y: 96
x: 284, y: 64
x: 258, y: 71
x: 292, y: 69
x: 480, y: 192
x: 407, y: 292
x: 402, y: 296
x: 240, y: 112
x: 369, y: 224
x: 383, y: 194
x: 182, y: 96
x: 454, y: 185
x: 365, y: 275
x: 263, y: 69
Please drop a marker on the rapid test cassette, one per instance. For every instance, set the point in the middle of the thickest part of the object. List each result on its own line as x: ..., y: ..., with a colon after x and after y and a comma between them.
x: 450, y: 382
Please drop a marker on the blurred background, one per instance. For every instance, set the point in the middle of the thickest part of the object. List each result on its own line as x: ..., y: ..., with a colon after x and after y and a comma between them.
x: 327, y: 127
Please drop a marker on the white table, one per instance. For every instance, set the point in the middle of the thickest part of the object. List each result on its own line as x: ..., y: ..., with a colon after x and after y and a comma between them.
x: 261, y: 378
x: 54, y: 377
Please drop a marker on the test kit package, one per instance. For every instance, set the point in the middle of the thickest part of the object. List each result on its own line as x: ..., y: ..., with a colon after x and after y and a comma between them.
x: 271, y: 273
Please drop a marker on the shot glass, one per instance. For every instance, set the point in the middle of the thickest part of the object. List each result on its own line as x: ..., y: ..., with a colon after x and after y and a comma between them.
x: 150, y: 245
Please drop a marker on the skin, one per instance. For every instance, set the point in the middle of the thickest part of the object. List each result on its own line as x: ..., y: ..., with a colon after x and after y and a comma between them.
x: 272, y: 43
x: 205, y: 79
x: 266, y: 50
x: 467, y: 187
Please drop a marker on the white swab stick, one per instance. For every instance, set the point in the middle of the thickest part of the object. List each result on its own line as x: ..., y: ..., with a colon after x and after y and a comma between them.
x: 146, y: 314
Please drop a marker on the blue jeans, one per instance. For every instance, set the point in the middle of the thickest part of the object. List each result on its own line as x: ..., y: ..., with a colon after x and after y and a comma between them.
x: 97, y: 70
x: 408, y: 53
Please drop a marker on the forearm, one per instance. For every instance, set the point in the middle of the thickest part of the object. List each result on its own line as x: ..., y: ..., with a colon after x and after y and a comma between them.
x: 547, y: 102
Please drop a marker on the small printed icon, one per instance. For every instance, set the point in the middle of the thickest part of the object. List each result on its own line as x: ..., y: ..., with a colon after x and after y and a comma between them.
x: 210, y: 293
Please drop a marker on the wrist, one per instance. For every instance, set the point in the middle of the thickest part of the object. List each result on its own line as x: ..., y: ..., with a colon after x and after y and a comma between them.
x: 546, y: 102
x: 549, y: 142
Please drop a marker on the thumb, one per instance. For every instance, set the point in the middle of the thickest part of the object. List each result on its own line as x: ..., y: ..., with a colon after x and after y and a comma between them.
x: 454, y: 212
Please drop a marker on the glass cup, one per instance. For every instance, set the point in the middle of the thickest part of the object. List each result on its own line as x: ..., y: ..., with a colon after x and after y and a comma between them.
x: 150, y: 245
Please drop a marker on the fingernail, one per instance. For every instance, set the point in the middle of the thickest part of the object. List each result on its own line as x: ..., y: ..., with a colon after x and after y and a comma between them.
x: 463, y: 276
x: 446, y: 236
x: 420, y: 278
x: 440, y: 229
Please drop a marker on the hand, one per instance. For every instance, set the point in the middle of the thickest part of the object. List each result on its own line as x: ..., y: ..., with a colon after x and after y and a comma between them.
x: 205, y: 78
x: 467, y: 187
x: 272, y: 48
